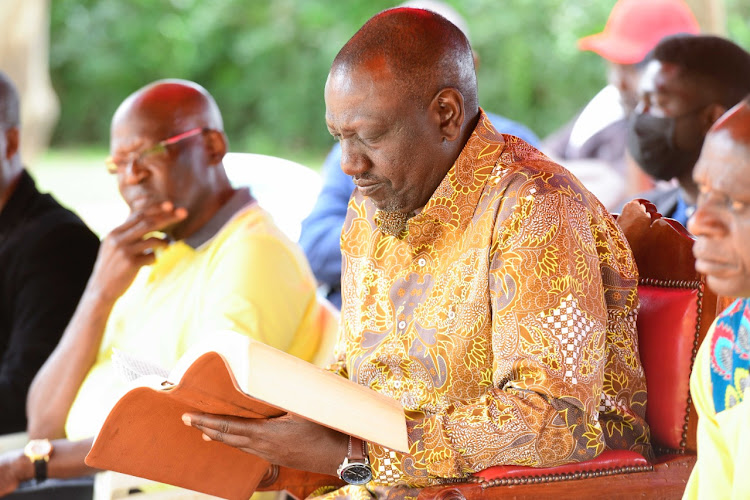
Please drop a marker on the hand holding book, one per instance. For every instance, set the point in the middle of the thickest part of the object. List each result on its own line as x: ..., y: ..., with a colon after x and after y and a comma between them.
x: 289, y: 440
x: 266, y: 405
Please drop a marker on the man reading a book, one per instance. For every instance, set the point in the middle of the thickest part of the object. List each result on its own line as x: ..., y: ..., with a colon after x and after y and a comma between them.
x: 195, y: 256
x: 483, y: 286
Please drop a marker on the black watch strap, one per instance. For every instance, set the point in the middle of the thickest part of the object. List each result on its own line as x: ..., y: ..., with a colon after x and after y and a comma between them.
x: 40, y: 470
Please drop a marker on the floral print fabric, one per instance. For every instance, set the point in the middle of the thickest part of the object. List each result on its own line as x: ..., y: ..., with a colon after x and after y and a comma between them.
x: 502, y: 318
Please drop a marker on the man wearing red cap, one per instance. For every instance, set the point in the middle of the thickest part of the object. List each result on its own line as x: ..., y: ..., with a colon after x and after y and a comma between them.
x: 592, y: 145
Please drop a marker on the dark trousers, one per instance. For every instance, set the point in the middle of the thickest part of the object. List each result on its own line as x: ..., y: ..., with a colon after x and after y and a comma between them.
x: 79, y: 488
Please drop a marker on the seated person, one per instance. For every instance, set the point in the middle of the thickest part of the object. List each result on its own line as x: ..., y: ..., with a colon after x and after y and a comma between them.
x: 688, y: 83
x: 321, y: 230
x: 46, y: 257
x: 592, y: 144
x: 484, y: 288
x: 721, y: 373
x: 195, y: 256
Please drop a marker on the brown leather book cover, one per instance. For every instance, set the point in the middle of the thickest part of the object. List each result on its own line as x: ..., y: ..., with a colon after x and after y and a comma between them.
x: 144, y: 435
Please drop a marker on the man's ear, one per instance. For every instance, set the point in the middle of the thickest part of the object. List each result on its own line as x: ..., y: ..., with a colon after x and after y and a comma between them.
x: 216, y: 146
x: 12, y: 139
x: 712, y: 114
x: 449, y: 107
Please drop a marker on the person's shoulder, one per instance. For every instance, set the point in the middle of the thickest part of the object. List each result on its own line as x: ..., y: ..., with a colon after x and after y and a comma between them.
x: 55, y: 224
x: 252, y: 219
x: 56, y: 241
x: 520, y: 156
x: 507, y: 126
x: 250, y: 241
x: 521, y: 164
x: 56, y: 214
x: 252, y: 226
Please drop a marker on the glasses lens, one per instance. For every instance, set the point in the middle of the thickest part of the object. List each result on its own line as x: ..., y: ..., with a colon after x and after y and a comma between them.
x: 112, y: 165
x: 152, y: 155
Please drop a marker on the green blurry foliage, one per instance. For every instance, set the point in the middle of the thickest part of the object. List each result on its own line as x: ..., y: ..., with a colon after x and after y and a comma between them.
x: 266, y: 61
x: 738, y: 22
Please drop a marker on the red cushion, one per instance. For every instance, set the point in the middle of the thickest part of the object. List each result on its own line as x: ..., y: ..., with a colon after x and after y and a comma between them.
x: 666, y: 336
x: 608, y: 460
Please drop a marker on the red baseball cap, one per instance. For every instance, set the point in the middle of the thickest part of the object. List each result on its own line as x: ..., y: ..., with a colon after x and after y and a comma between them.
x: 635, y: 27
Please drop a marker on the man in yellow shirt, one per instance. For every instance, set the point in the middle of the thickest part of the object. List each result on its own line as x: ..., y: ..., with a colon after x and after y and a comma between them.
x: 483, y: 286
x: 195, y: 256
x: 721, y: 373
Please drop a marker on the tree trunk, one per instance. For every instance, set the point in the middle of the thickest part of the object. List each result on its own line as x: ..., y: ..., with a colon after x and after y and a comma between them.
x: 711, y: 15
x: 24, y: 51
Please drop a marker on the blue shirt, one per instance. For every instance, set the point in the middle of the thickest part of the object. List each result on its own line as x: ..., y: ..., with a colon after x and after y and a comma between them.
x: 682, y: 211
x: 321, y: 230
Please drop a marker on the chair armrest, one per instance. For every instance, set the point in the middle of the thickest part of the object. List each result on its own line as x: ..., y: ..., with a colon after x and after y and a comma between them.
x: 609, y: 462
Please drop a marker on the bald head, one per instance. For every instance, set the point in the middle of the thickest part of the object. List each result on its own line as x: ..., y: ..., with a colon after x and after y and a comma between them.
x: 444, y: 10
x: 167, y: 144
x: 401, y: 98
x: 736, y: 124
x: 9, y: 106
x: 419, y: 50
x: 168, y: 107
x: 10, y: 156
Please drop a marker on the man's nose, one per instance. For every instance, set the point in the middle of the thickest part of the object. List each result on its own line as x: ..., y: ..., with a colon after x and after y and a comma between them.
x: 352, y: 162
x: 134, y: 172
x: 707, y: 220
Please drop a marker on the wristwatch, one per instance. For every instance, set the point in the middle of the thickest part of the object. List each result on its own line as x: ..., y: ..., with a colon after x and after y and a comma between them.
x: 38, y: 451
x: 355, y: 469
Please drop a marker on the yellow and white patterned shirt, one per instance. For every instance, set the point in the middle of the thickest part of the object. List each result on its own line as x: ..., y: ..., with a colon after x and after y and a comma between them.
x: 503, y: 319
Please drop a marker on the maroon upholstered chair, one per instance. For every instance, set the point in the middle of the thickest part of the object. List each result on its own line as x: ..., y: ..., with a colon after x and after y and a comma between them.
x: 676, y: 312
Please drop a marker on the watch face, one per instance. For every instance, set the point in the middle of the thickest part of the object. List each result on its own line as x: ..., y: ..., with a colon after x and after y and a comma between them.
x: 38, y: 448
x: 357, y: 474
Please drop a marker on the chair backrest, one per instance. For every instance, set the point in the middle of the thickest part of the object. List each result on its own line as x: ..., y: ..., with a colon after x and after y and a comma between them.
x: 676, y: 311
x: 287, y: 190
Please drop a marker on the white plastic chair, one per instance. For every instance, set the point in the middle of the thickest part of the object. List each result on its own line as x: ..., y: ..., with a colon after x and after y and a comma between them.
x: 285, y: 189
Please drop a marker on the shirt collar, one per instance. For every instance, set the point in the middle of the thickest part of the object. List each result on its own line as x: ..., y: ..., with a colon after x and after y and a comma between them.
x: 463, y: 184
x: 240, y: 199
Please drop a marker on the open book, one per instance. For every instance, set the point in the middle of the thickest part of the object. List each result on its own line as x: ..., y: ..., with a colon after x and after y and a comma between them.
x: 144, y: 435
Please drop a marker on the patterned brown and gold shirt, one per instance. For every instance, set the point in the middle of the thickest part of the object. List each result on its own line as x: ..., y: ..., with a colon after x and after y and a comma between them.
x: 502, y: 318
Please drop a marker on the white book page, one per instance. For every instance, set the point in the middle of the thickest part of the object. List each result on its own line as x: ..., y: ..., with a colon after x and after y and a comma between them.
x: 142, y: 373
x: 294, y: 385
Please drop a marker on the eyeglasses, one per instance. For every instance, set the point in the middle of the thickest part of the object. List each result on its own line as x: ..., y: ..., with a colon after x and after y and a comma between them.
x: 115, y: 165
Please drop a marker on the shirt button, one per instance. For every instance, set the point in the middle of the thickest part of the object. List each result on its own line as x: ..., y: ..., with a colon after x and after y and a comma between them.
x: 451, y: 314
x: 421, y: 262
x: 402, y: 324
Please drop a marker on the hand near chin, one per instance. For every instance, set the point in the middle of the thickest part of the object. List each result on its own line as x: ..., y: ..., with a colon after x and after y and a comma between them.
x: 130, y: 246
x: 289, y: 440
